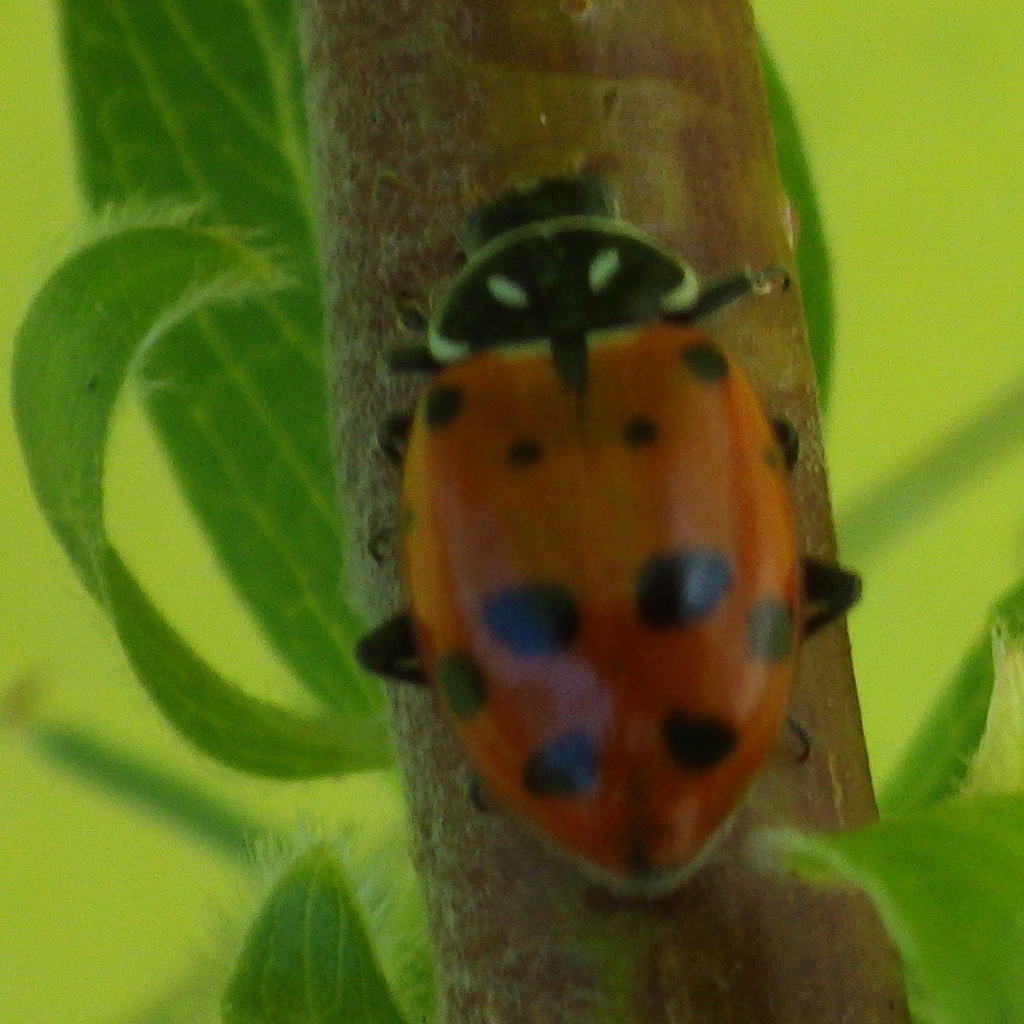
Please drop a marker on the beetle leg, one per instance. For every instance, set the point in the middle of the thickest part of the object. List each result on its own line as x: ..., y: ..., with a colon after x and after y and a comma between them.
x: 390, y: 650
x: 379, y: 542
x: 478, y: 795
x: 415, y: 358
x: 409, y: 312
x: 724, y: 291
x: 393, y: 434
x: 411, y: 357
x: 802, y: 736
x: 789, y: 441
x: 830, y: 591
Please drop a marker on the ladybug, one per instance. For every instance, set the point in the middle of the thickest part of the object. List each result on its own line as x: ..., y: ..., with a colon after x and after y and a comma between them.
x: 597, y: 538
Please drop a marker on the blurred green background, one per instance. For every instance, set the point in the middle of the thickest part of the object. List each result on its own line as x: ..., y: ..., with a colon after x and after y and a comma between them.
x: 913, y: 117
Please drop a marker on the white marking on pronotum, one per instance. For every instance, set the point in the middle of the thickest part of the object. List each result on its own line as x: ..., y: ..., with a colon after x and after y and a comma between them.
x: 508, y: 292
x: 603, y: 267
x: 683, y: 295
x: 446, y: 350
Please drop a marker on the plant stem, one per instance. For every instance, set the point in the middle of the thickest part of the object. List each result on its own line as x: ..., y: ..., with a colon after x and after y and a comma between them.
x: 420, y: 112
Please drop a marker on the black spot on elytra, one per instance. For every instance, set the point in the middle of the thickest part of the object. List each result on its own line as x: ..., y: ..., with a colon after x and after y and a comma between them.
x: 705, y: 362
x: 677, y: 589
x: 565, y: 766
x: 460, y: 681
x: 769, y: 630
x: 639, y: 431
x: 533, y: 619
x: 697, y: 742
x: 523, y: 452
x: 442, y: 405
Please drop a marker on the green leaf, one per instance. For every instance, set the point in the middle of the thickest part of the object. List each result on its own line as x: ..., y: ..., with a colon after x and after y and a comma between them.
x: 105, y: 308
x: 177, y: 800
x: 379, y: 867
x: 812, y: 257
x: 949, y: 885
x: 306, y: 959
x: 202, y: 101
x: 934, y: 765
x: 193, y: 100
x: 998, y: 763
x: 894, y: 506
x: 244, y: 732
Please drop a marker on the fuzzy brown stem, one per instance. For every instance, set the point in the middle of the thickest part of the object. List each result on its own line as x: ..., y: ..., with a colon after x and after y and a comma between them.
x: 420, y: 111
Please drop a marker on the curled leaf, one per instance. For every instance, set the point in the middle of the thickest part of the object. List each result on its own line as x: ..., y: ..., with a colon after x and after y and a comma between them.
x: 98, y: 314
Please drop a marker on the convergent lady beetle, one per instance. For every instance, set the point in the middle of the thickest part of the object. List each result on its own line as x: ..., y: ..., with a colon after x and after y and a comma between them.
x: 597, y: 538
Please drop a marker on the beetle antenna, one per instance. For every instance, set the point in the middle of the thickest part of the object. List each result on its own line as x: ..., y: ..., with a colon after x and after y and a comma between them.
x: 725, y: 290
